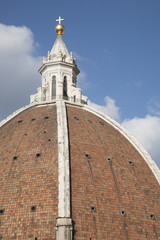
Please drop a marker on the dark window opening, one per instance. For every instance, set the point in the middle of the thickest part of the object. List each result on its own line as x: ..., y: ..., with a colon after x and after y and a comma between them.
x: 33, y: 119
x: 87, y: 155
x: 152, y: 216
x: 38, y: 154
x: 2, y: 211
x: 123, y: 213
x: 89, y: 121
x: 131, y: 163
x: 15, y: 157
x: 93, y: 209
x: 76, y: 118
x: 109, y: 159
x: 73, y: 80
x: 49, y: 140
x: 20, y: 121
x: 33, y: 208
x: 53, y: 87
x: 65, y: 87
x: 101, y: 123
x: 46, y: 117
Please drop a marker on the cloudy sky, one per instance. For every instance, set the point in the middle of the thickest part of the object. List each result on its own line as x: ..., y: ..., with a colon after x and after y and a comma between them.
x: 117, y: 46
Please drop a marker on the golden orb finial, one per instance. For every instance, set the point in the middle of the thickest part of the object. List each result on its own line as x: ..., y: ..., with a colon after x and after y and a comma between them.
x: 59, y: 28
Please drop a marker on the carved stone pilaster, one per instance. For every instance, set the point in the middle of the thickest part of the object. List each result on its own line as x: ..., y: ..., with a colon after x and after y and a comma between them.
x: 64, y: 229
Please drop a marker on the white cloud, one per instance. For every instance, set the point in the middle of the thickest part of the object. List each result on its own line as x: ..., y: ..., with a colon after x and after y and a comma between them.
x: 109, y: 108
x: 154, y: 105
x: 147, y: 131
x: 18, y: 68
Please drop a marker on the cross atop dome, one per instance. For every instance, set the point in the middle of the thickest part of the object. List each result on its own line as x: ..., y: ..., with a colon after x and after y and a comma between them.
x: 59, y: 28
x: 59, y: 20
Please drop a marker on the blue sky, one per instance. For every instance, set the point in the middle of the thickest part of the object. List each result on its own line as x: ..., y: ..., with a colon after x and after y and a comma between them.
x: 117, y: 45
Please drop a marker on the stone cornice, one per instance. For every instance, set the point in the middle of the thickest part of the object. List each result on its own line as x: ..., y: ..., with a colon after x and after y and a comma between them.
x: 60, y: 63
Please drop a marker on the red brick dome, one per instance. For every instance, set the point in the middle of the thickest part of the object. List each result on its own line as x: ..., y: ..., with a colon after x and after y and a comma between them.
x: 114, y: 190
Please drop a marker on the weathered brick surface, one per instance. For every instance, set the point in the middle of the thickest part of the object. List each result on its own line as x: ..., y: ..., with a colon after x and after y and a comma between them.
x: 29, y: 180
x: 109, y: 187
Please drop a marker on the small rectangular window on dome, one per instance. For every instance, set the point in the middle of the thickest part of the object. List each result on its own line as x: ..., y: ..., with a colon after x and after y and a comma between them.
x: 93, y: 209
x: 33, y: 208
x: 87, y: 155
x: 38, y: 155
x: 2, y: 211
x: 20, y: 121
x: 152, y: 216
x: 109, y: 159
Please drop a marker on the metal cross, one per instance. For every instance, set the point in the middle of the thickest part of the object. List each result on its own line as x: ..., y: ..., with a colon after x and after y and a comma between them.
x: 60, y: 19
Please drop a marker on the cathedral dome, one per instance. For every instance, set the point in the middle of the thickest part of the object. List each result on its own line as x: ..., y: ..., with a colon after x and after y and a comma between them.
x: 71, y: 172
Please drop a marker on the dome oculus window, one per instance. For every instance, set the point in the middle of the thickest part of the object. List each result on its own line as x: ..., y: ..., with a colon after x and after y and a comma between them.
x: 33, y: 208
x: 2, y: 211
x: 123, y: 213
x: 93, y: 209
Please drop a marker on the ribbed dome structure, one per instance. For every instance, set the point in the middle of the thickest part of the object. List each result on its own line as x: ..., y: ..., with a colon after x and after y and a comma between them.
x: 68, y: 172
